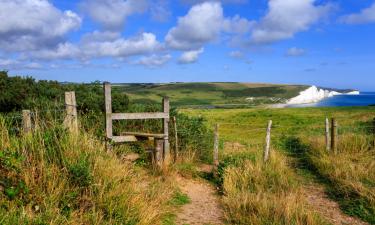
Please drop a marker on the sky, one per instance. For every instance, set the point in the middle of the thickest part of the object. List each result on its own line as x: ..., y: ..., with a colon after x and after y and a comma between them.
x: 329, y: 43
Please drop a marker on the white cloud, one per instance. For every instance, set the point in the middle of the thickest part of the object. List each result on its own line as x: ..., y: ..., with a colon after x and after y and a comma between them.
x: 237, y: 25
x: 33, y: 24
x: 96, y: 46
x: 365, y: 16
x: 296, y: 52
x: 12, y: 64
x: 202, y: 24
x: 285, y: 18
x: 154, y: 60
x: 100, y: 45
x: 190, y: 56
x: 111, y: 14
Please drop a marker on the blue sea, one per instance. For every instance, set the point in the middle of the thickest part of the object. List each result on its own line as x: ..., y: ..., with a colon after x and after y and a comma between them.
x: 364, y: 99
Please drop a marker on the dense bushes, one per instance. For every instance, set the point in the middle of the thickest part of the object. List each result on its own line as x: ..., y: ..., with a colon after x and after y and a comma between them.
x: 19, y: 93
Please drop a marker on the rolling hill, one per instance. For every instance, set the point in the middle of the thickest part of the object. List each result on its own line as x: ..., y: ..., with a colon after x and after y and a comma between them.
x: 211, y: 94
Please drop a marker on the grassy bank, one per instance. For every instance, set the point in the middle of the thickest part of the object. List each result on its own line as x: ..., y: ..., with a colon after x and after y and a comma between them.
x: 53, y: 177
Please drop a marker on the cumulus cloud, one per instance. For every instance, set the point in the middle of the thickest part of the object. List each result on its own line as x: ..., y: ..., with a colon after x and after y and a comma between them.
x: 154, y: 60
x: 202, y: 24
x: 97, y: 46
x: 33, y: 24
x: 365, y: 16
x: 285, y: 18
x: 100, y: 45
x: 190, y: 56
x: 111, y: 14
x: 295, y: 52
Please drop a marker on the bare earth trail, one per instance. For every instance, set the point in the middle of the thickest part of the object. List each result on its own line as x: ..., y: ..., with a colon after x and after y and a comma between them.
x: 329, y: 209
x: 204, y: 207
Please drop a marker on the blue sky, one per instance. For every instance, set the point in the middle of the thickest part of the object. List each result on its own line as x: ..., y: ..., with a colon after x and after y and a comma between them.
x: 324, y: 42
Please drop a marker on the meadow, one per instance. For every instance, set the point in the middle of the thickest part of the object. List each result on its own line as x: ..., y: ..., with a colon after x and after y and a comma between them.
x: 52, y: 176
x: 271, y: 193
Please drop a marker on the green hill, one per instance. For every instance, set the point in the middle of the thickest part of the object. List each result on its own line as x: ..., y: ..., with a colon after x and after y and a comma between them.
x: 194, y: 94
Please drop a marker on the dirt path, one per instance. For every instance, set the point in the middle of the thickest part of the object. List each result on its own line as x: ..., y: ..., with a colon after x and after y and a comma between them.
x: 321, y: 203
x: 204, y: 207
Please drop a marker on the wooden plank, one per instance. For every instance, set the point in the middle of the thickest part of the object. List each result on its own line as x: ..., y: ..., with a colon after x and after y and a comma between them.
x: 108, y: 110
x: 166, y: 131
x: 138, y: 134
x: 327, y: 135
x: 158, y: 160
x: 139, y: 116
x: 26, y: 121
x: 267, y: 147
x: 122, y: 139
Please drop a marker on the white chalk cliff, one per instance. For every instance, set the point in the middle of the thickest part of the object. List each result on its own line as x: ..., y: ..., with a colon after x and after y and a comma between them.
x: 314, y: 94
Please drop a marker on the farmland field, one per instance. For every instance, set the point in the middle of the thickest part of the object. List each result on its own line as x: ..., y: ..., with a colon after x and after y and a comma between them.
x: 190, y: 94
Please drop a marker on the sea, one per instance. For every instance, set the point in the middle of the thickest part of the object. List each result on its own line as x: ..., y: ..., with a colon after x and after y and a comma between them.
x: 363, y: 99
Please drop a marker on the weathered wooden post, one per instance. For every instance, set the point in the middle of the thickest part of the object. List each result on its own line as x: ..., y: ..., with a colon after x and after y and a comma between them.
x: 26, y: 121
x: 71, y: 121
x: 158, y: 154
x: 373, y: 133
x: 268, y: 142
x: 216, y: 149
x: 327, y: 135
x: 166, y: 131
x: 334, y: 135
x: 175, y: 138
x: 108, y: 114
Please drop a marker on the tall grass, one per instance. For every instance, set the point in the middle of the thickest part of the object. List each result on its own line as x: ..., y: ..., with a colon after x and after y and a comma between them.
x: 350, y: 173
x: 258, y: 193
x: 54, y: 177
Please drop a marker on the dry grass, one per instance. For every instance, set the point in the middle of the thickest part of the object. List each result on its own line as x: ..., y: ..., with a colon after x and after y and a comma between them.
x: 258, y: 193
x: 350, y: 172
x: 53, y: 177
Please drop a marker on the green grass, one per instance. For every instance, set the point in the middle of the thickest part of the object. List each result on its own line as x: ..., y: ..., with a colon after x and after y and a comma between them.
x: 186, y: 94
x: 256, y: 194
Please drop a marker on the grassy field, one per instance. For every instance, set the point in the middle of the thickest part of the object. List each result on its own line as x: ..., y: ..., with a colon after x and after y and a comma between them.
x: 187, y: 94
x: 258, y: 193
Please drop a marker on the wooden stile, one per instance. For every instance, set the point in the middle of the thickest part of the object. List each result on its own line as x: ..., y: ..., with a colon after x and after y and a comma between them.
x: 267, y: 147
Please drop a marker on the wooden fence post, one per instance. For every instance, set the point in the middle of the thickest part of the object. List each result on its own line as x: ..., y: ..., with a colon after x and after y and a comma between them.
x: 268, y: 142
x: 158, y: 154
x: 26, y: 121
x: 108, y: 114
x: 166, y: 131
x: 176, y: 138
x: 373, y: 133
x: 334, y: 135
x: 327, y: 135
x: 216, y: 149
x: 71, y: 121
